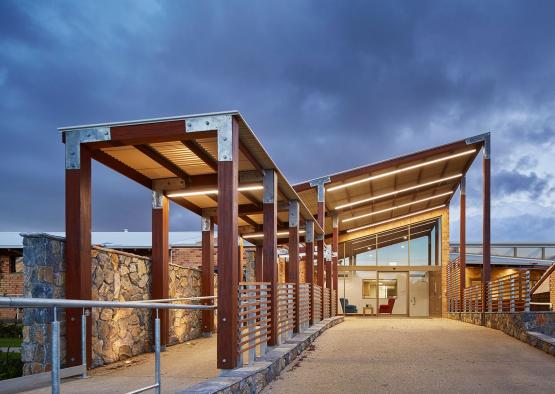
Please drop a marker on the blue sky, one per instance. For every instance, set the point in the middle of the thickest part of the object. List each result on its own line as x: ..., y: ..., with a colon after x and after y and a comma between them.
x: 327, y: 85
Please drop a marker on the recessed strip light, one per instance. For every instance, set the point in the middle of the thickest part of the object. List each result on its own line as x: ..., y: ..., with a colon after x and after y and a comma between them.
x: 394, y: 172
x: 397, y: 218
x: 396, y: 207
x: 350, y: 204
x: 213, y: 191
x: 261, y: 235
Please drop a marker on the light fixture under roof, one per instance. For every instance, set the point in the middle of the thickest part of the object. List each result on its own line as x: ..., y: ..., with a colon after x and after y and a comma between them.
x: 261, y: 235
x: 421, y: 185
x: 212, y: 191
x: 400, y: 170
x: 393, y: 219
x: 396, y: 207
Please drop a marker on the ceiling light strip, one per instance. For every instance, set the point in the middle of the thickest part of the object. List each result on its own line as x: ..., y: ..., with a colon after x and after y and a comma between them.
x: 261, y: 235
x: 394, y: 172
x: 396, y: 207
x: 393, y: 219
x: 350, y: 204
x: 212, y: 191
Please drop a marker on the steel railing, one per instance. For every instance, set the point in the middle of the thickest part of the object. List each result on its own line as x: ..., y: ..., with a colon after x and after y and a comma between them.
x: 22, y: 302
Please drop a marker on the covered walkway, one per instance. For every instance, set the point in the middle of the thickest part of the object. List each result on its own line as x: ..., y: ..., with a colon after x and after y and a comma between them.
x: 417, y: 355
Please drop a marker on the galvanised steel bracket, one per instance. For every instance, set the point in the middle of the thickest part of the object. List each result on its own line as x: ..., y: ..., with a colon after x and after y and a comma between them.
x: 485, y: 138
x: 319, y: 184
x: 269, y: 182
x: 293, y: 213
x: 157, y: 199
x: 223, y: 126
x: 309, y: 231
x: 74, y: 139
x: 205, y: 223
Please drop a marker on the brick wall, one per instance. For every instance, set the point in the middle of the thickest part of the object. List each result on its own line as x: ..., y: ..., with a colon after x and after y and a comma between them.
x: 552, y: 291
x: 192, y: 256
x: 11, y: 283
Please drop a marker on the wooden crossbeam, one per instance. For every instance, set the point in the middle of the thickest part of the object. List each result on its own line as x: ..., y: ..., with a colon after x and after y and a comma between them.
x: 163, y: 161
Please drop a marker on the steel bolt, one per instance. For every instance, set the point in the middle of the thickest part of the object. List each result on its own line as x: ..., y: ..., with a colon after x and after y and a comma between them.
x: 207, y: 123
x: 224, y: 319
x: 225, y: 138
x: 224, y: 360
x: 189, y: 124
x: 225, y: 156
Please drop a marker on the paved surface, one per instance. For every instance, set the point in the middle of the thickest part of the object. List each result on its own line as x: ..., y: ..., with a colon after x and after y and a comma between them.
x: 390, y: 355
x: 182, y: 366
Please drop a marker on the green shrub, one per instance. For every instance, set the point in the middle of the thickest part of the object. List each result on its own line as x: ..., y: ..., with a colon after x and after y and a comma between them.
x: 10, y: 365
x: 11, y: 330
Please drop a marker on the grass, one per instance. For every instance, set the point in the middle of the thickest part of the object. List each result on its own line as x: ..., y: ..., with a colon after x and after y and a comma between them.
x: 10, y: 342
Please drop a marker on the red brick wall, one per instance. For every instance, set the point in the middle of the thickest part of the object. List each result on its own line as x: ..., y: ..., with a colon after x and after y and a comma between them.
x: 192, y: 257
x: 10, y: 284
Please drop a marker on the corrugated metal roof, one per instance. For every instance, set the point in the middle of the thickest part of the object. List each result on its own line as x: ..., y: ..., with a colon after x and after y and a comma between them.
x: 116, y: 239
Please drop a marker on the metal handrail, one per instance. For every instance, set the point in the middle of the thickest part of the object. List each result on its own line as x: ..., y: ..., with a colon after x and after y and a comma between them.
x: 181, y: 299
x: 24, y: 302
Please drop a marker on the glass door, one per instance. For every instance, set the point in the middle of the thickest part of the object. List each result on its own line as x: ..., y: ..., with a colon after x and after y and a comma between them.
x: 419, y: 294
x: 392, y: 293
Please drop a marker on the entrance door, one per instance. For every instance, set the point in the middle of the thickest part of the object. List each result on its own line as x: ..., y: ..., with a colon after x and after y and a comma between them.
x: 393, y: 293
x: 419, y: 294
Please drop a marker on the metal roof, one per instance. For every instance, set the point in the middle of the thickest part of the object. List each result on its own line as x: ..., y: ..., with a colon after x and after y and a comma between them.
x: 166, y: 164
x: 116, y: 239
x: 396, y: 187
x: 476, y: 259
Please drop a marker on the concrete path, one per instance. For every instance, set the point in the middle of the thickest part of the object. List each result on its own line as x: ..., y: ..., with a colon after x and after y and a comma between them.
x: 182, y: 366
x: 395, y: 355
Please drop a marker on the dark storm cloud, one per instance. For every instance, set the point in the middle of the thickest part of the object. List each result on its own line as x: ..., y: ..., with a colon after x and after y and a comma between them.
x: 326, y: 85
x: 509, y: 182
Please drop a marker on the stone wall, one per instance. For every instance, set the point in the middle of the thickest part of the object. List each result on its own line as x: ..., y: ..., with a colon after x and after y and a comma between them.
x: 535, y: 328
x: 118, y: 334
x: 184, y: 325
x: 44, y: 272
x: 116, y: 276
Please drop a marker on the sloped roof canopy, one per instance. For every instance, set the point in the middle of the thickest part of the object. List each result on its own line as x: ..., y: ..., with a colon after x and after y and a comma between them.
x: 395, y: 188
x: 163, y: 154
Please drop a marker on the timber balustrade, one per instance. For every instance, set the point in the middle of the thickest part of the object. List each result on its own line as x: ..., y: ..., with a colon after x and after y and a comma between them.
x: 304, y: 305
x: 327, y: 298
x: 453, y: 286
x: 253, y: 320
x: 286, y: 310
x: 317, y: 303
x: 333, y: 302
x: 509, y: 293
x: 472, y: 301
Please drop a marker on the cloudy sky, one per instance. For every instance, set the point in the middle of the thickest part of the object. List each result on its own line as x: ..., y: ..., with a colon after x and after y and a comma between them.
x: 326, y: 85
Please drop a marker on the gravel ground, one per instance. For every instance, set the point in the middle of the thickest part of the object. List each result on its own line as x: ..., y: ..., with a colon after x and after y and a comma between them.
x: 400, y: 355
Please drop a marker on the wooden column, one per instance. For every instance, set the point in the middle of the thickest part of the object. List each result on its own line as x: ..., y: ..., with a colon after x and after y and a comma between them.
x: 78, y: 253
x: 486, y: 231
x: 309, y: 262
x: 228, y: 256
x: 292, y: 271
x: 258, y: 270
x: 241, y: 252
x: 270, y: 268
x: 160, y: 259
x: 462, y: 239
x: 321, y: 196
x: 334, y: 256
x: 207, y: 273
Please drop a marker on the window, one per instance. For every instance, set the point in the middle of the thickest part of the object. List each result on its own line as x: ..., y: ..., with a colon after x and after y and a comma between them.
x: 12, y: 264
x: 387, y: 288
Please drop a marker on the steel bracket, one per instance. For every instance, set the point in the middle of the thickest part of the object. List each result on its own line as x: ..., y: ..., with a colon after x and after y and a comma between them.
x: 206, y: 223
x: 486, y: 139
x: 319, y: 184
x: 157, y: 199
x: 74, y: 139
x: 293, y: 213
x: 223, y: 126
x: 269, y: 186
x: 309, y: 231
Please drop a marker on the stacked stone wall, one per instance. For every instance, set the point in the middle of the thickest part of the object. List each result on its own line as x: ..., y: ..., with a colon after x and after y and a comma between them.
x: 116, y: 276
x: 184, y: 325
x: 118, y: 334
